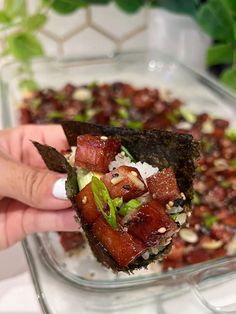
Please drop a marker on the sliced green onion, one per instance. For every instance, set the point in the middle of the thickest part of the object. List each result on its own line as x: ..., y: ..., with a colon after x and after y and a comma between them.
x: 129, y: 207
x: 196, y: 199
x: 231, y: 134
x: 209, y: 220
x: 224, y: 184
x: 199, y: 169
x: 80, y: 118
x: 117, y: 202
x: 134, y: 124
x: 115, y: 123
x: 90, y: 113
x: 92, y: 85
x: 233, y: 163
x: 123, y: 113
x: 101, y: 196
x: 172, y: 117
x: 127, y: 153
x: 188, y: 115
x: 60, y: 96
x: 207, y: 146
x: 55, y: 115
x: 174, y: 216
x: 123, y: 101
x: 35, y: 103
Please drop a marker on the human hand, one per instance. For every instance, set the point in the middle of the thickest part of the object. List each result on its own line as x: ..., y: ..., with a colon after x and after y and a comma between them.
x: 27, y: 203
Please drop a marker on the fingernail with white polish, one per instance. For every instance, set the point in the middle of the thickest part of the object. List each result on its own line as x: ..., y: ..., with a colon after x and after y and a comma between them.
x: 59, y: 189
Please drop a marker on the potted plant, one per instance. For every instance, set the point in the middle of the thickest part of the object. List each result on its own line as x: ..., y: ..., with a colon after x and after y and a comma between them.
x: 216, y: 17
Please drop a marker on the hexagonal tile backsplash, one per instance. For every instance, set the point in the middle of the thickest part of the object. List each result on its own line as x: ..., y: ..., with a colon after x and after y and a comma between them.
x: 96, y: 30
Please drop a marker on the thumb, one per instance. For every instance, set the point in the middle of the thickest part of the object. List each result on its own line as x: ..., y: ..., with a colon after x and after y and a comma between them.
x: 36, y: 188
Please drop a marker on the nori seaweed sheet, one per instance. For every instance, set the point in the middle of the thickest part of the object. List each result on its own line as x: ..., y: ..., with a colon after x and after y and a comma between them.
x: 157, y: 147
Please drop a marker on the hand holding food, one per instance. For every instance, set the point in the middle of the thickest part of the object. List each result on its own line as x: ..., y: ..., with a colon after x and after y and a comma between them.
x: 131, y: 189
x: 27, y: 204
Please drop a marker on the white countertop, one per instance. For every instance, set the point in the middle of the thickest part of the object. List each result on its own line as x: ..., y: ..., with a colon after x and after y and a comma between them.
x: 17, y: 294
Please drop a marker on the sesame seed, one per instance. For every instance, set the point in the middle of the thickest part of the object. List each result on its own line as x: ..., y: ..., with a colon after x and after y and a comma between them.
x: 134, y: 173
x: 126, y: 187
x: 104, y: 138
x: 115, y: 175
x: 171, y: 203
x: 122, y: 154
x: 167, y: 206
x: 183, y: 196
x: 162, y: 230
x: 116, y: 180
x: 84, y: 200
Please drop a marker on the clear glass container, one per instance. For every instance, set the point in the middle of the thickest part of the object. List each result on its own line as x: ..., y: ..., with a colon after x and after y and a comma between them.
x: 63, y: 282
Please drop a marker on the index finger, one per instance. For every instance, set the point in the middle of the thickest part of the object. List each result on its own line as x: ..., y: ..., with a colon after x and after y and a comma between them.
x: 51, y: 135
x: 16, y: 142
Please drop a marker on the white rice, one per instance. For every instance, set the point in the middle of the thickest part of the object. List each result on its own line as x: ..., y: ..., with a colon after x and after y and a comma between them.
x: 144, y: 168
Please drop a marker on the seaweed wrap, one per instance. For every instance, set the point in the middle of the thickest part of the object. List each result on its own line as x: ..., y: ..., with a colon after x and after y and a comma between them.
x: 131, y: 190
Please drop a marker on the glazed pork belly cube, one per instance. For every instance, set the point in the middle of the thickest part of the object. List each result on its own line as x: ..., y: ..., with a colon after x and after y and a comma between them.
x: 95, y: 153
x: 71, y: 240
x: 124, y: 182
x: 86, y: 204
x: 123, y: 247
x: 163, y: 186
x: 151, y: 224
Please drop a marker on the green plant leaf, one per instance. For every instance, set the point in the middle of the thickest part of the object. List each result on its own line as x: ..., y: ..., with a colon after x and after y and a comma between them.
x: 100, y: 2
x: 179, y: 6
x: 15, y: 7
x: 228, y: 77
x: 232, y: 5
x: 24, y: 46
x: 220, y: 54
x: 4, y: 18
x: 216, y: 19
x: 66, y: 6
x: 131, y: 6
x: 34, y: 22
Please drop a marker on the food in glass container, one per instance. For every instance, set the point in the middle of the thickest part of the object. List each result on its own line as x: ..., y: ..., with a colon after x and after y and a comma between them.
x: 125, y: 186
x: 212, y: 224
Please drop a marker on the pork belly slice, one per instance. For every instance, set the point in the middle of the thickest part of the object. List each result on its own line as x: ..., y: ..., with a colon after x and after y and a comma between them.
x: 163, y: 186
x: 122, y: 246
x: 95, y: 153
x: 152, y: 225
x: 124, y: 182
x: 86, y: 204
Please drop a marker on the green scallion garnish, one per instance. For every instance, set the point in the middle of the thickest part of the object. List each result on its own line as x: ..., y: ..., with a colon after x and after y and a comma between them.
x: 101, y: 197
x: 123, y: 113
x: 233, y: 163
x: 209, y: 220
x: 123, y: 101
x: 224, y: 184
x: 187, y: 115
x: 55, y: 115
x: 196, y: 199
x: 80, y: 118
x: 129, y: 207
x: 231, y: 134
x: 127, y: 153
x: 134, y: 124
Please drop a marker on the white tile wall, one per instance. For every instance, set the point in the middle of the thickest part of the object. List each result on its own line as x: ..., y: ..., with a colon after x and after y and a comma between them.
x: 116, y: 23
x: 88, y: 42
x: 95, y: 30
